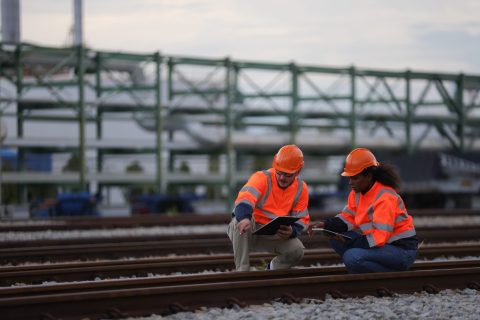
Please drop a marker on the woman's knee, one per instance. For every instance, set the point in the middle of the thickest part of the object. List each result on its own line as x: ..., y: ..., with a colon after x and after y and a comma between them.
x: 409, y: 257
x: 353, y: 258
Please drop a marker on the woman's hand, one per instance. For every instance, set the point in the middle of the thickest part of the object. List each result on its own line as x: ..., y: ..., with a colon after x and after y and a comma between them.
x: 316, y: 224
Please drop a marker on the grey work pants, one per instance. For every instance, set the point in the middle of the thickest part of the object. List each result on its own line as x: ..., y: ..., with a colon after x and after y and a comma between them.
x: 290, y: 251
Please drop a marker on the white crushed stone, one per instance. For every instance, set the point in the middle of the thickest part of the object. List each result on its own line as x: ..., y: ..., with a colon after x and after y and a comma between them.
x: 448, y: 304
x: 438, y: 221
x: 30, y: 222
x: 110, y: 233
x: 183, y: 230
x: 157, y: 275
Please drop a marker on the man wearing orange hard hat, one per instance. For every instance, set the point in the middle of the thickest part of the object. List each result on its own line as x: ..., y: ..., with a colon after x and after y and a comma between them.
x: 268, y: 194
x: 381, y: 234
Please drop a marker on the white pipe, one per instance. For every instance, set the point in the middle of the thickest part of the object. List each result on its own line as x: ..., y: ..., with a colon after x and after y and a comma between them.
x: 78, y: 23
x: 11, y: 21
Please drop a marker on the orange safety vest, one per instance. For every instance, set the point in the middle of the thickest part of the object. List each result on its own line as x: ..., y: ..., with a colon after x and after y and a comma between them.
x: 380, y: 214
x: 269, y: 201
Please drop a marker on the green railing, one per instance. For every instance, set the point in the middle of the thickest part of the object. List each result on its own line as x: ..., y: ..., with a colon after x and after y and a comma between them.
x: 407, y: 107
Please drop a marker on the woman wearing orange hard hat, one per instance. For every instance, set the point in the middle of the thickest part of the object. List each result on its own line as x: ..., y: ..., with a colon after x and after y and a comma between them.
x: 381, y: 233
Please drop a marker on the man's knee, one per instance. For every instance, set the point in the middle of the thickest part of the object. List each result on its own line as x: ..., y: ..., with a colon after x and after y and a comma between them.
x: 288, y: 258
x: 294, y: 253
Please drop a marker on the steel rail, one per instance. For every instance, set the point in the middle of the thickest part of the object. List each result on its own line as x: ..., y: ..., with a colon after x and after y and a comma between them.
x: 172, y: 294
x: 427, y: 233
x: 85, y: 223
x: 91, y: 270
x: 117, y: 247
x: 54, y: 288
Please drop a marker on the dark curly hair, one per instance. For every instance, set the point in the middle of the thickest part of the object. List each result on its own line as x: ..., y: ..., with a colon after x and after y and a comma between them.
x: 386, y: 174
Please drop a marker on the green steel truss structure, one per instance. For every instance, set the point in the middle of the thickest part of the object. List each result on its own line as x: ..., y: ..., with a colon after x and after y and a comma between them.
x: 223, y: 109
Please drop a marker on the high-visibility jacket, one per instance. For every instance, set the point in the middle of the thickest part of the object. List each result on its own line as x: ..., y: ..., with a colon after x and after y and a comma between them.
x: 380, y: 214
x: 268, y: 200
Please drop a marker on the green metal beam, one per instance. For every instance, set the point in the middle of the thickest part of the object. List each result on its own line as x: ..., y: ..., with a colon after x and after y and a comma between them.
x: 243, y: 93
x: 82, y: 116
x: 231, y: 87
x: 161, y: 182
x: 353, y: 106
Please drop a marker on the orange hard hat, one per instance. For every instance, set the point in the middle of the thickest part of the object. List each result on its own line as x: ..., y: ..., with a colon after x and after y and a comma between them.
x: 357, y: 161
x: 289, y: 159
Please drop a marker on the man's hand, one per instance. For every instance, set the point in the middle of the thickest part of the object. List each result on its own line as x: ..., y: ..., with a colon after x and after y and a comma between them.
x: 318, y: 224
x: 244, y: 225
x: 284, y: 232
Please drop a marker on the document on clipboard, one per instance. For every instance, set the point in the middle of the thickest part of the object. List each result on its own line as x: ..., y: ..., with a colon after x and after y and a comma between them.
x: 330, y: 233
x: 272, y: 227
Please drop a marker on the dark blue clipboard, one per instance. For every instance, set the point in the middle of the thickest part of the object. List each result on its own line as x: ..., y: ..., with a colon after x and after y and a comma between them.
x: 272, y: 227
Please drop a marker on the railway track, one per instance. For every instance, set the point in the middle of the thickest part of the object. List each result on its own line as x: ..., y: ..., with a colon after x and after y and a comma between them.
x: 85, y: 223
x: 167, y: 294
x: 119, y: 247
x: 428, y: 233
x: 164, y: 295
x: 91, y: 270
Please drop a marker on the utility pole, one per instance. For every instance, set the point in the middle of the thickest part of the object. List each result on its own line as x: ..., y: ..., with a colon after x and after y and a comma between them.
x: 78, y: 23
x: 11, y: 21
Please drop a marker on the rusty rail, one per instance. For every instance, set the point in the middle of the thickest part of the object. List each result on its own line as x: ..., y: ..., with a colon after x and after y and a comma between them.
x: 165, y: 295
x: 81, y: 223
x: 115, y: 248
x: 87, y: 271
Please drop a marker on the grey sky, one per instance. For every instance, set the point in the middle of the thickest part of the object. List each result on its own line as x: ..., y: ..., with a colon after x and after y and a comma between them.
x: 430, y: 35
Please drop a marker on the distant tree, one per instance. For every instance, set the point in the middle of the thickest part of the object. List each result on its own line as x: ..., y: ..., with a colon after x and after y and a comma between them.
x: 73, y: 163
x: 134, y: 167
x: 261, y: 163
x: 9, y: 191
x: 136, y: 190
x: 213, y: 191
x: 175, y: 189
x: 184, y: 167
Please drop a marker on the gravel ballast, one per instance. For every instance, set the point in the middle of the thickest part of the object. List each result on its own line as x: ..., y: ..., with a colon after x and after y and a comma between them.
x: 448, y: 304
x: 185, y: 230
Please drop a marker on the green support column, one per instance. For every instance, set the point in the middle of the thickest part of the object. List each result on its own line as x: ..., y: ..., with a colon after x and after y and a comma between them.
x: 81, y: 112
x: 19, y: 84
x: 461, y: 111
x: 170, y: 78
x: 20, y: 116
x: 353, y: 114
x: 99, y: 114
x: 293, y: 111
x: 160, y: 178
x: 409, y: 118
x: 98, y: 91
x: 231, y: 88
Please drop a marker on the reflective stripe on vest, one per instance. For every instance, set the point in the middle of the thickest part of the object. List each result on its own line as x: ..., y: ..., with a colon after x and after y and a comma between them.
x: 251, y: 190
x: 271, y: 215
x: 350, y: 226
x: 350, y: 212
x: 269, y: 187
x: 400, y: 204
x: 379, y: 226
